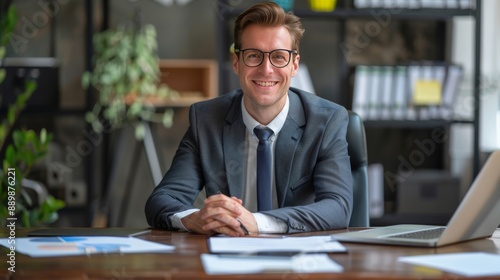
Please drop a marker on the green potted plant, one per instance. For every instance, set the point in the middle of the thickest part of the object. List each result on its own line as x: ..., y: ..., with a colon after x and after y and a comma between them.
x: 22, y: 148
x: 126, y: 76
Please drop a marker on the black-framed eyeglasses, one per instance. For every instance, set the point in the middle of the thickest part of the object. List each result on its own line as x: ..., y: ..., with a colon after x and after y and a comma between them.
x: 253, y: 57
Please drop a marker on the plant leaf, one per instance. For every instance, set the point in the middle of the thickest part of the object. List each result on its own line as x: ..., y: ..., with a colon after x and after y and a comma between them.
x: 86, y: 77
x: 2, y: 74
x: 10, y: 155
x: 43, y: 136
x: 168, y: 118
x: 140, y: 131
x: 11, y: 115
x: 30, y: 87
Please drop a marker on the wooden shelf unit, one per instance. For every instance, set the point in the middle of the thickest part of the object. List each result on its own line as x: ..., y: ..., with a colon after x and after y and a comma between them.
x: 194, y: 79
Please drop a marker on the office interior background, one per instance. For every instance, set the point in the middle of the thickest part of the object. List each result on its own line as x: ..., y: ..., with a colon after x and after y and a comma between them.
x: 106, y: 179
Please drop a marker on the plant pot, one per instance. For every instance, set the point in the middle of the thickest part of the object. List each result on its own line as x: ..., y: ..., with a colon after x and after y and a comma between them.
x: 287, y: 5
x: 322, y: 5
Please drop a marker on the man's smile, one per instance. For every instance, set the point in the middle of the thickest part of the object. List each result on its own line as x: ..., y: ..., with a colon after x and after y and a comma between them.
x: 265, y: 84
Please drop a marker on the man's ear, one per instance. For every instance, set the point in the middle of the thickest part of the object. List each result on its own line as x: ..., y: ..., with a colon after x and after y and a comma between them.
x: 235, y: 63
x: 295, y: 64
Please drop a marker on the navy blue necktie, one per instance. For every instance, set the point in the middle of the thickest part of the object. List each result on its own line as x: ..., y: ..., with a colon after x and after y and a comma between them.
x: 264, y: 169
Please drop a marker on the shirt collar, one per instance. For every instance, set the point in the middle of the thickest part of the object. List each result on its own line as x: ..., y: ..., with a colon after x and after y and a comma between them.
x: 275, y: 125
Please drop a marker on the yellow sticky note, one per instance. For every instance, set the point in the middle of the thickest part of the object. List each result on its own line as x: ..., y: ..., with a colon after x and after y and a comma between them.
x: 427, y: 92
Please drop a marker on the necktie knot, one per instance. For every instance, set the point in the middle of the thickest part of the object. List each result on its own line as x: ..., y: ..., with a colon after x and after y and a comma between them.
x: 263, y: 133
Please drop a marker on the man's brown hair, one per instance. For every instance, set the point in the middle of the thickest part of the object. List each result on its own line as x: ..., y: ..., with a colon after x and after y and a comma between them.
x: 272, y: 15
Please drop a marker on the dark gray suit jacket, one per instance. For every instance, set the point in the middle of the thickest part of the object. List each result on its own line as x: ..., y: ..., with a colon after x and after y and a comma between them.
x: 313, y: 173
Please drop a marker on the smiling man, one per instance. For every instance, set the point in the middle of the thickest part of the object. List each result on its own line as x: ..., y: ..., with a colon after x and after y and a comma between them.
x: 295, y: 179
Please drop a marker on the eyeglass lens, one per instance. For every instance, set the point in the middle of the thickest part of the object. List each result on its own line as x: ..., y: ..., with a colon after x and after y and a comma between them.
x: 278, y: 58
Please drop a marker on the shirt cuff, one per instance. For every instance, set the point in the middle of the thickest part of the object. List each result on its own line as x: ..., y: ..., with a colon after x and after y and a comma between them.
x: 175, y: 219
x: 269, y: 224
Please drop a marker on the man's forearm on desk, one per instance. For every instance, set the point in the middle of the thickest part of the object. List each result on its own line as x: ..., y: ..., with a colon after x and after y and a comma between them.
x: 269, y: 224
x: 177, y: 217
x: 265, y: 223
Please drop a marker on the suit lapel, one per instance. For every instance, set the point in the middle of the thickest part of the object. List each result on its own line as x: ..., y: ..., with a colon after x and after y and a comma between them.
x: 233, y: 142
x: 286, y: 145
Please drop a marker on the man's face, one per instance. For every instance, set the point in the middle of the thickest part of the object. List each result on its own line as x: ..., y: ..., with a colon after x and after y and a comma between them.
x: 265, y: 86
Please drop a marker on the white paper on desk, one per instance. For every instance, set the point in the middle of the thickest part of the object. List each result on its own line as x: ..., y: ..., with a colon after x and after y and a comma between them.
x: 248, y: 245
x: 247, y: 264
x: 466, y: 264
x: 82, y: 245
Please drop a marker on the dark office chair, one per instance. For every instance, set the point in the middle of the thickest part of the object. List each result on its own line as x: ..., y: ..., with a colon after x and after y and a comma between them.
x: 359, y: 159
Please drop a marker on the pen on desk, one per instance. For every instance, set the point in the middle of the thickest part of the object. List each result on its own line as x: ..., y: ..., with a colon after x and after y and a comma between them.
x: 243, y: 228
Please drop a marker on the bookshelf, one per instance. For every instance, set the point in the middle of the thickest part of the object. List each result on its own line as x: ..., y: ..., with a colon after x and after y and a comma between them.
x: 194, y: 79
x: 343, y: 12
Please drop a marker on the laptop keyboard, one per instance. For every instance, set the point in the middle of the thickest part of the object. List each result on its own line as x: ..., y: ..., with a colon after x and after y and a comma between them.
x: 423, y: 234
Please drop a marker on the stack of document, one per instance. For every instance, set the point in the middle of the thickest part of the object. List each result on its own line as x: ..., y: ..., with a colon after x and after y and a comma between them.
x: 419, y: 91
x: 303, y: 263
x: 471, y: 264
x: 253, y: 245
x: 271, y: 255
x: 57, y: 246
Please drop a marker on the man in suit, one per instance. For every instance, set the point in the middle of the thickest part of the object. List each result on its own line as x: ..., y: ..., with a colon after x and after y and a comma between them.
x: 311, y: 182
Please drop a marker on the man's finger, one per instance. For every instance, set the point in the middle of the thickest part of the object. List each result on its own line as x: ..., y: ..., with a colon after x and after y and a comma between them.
x: 230, y: 207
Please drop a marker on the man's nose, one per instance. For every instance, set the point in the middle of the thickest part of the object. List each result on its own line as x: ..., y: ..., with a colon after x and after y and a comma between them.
x: 266, y: 64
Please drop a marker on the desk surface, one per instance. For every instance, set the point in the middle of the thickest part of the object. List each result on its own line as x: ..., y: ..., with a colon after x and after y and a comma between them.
x: 361, y: 261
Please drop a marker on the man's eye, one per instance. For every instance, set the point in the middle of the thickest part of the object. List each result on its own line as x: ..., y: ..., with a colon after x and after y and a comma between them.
x: 253, y: 55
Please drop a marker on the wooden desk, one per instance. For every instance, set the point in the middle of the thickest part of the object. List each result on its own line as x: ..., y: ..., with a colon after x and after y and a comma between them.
x: 361, y: 261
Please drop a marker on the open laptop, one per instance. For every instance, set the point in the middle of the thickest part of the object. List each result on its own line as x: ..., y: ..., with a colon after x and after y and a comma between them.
x: 477, y: 216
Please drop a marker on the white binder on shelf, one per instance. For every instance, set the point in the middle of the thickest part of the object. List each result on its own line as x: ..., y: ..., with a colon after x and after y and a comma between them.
x: 414, y: 74
x: 400, y: 103
x: 466, y: 4
x: 437, y: 4
x: 388, y: 4
x: 374, y: 92
x: 427, y: 3
x: 439, y: 73
x: 450, y: 89
x: 413, y: 4
x: 435, y: 74
x: 424, y: 75
x: 377, y: 3
x: 360, y: 91
x: 452, y: 4
x: 387, y: 79
x: 361, y: 4
x: 403, y: 4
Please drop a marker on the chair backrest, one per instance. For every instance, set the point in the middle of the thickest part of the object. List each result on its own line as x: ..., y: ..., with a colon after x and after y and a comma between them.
x: 356, y: 140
